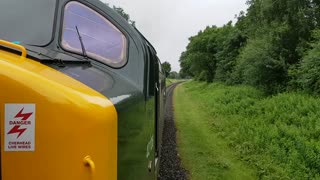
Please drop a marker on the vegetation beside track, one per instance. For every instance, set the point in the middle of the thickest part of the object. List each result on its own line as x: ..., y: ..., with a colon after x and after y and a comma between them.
x: 171, y: 81
x: 236, y: 132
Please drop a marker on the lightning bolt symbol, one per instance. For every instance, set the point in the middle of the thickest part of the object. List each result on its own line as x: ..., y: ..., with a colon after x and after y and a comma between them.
x: 23, y: 116
x: 16, y: 129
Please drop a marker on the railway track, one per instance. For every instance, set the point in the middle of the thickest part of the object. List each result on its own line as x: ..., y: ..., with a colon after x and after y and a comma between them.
x: 170, y: 163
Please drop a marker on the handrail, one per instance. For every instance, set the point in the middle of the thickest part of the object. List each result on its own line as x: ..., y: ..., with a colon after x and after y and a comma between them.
x: 89, y: 162
x: 15, y: 46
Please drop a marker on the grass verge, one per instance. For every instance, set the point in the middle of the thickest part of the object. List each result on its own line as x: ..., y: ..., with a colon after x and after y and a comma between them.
x: 171, y: 81
x: 236, y: 132
x: 204, y: 153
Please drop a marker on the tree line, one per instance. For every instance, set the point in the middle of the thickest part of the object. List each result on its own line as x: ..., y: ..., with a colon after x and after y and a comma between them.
x: 122, y: 13
x: 274, y: 46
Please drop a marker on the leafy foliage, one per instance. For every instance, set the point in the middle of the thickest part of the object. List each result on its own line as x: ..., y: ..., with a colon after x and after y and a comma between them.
x: 309, y: 70
x: 266, y: 48
x: 174, y: 75
x: 126, y: 16
x: 121, y: 11
x: 166, y: 67
x: 278, y: 144
x: 230, y: 42
x: 199, y: 57
x: 267, y: 71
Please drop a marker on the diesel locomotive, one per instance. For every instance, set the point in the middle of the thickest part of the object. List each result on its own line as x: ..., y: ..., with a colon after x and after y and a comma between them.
x: 82, y: 93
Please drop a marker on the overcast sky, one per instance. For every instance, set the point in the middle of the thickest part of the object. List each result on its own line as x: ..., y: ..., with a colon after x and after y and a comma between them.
x: 168, y: 24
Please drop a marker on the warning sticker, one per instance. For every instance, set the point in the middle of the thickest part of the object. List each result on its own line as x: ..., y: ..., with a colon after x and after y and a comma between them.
x: 19, y: 127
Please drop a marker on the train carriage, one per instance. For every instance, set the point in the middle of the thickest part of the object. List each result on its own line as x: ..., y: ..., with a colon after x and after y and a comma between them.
x: 82, y: 93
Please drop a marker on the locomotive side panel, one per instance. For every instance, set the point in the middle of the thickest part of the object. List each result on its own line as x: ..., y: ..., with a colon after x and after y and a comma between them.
x: 92, y: 107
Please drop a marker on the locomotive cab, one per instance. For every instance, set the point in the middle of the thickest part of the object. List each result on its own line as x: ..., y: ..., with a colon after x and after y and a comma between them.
x: 81, y: 93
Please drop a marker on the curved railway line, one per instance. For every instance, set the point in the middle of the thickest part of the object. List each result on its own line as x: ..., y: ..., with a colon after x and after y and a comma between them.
x: 170, y: 163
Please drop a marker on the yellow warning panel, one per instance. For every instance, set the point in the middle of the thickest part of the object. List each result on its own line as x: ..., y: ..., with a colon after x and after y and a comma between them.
x: 52, y: 126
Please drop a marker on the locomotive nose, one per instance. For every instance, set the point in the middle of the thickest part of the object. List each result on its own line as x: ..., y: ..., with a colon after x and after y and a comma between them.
x: 53, y: 126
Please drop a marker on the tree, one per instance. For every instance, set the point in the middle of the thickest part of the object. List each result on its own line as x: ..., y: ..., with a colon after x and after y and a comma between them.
x: 229, y: 42
x: 166, y: 67
x: 174, y: 75
x: 185, y: 65
x: 308, y: 72
x: 199, y: 57
x: 269, y: 47
x: 121, y: 11
x: 124, y: 15
x: 258, y: 65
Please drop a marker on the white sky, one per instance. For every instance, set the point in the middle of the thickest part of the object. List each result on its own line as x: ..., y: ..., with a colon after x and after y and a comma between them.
x: 168, y: 24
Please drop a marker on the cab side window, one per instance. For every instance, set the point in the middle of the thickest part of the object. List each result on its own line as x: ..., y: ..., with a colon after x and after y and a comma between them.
x: 102, y: 40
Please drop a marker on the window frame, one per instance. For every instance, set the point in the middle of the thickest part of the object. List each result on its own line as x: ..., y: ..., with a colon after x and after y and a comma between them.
x: 108, y: 18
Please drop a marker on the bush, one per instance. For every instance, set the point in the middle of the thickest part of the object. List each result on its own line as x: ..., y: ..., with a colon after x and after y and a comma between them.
x: 259, y: 66
x: 202, y: 76
x: 309, y: 69
x: 277, y: 135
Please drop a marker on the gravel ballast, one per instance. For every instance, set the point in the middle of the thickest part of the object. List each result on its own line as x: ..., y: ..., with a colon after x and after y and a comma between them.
x: 170, y: 162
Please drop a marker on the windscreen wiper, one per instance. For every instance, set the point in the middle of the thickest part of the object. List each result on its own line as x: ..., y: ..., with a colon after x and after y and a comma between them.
x: 56, y: 56
x: 84, y: 53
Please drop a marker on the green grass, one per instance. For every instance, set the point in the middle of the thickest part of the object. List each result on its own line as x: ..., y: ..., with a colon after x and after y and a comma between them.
x: 204, y: 153
x: 237, y: 131
x: 171, y: 81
